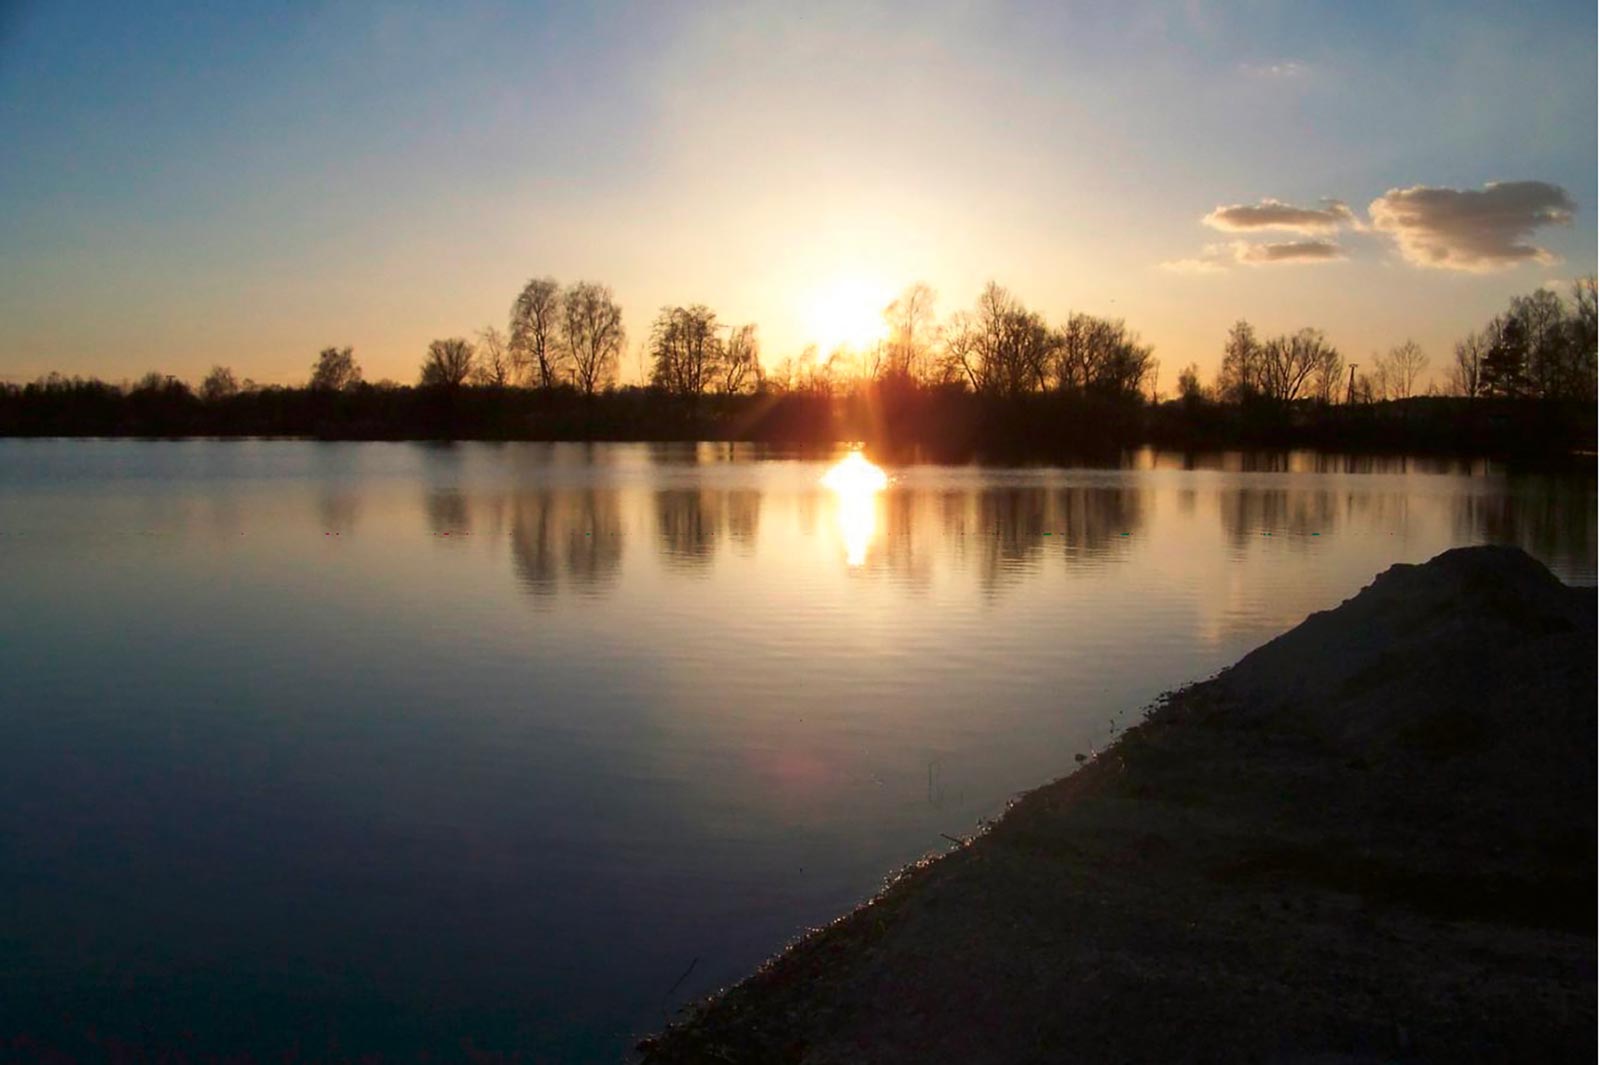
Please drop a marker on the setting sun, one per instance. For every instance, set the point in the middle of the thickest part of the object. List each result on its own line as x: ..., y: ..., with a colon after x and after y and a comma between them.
x: 847, y: 311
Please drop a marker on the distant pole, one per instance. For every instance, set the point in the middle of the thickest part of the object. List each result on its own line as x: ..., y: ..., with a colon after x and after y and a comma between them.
x: 1350, y: 394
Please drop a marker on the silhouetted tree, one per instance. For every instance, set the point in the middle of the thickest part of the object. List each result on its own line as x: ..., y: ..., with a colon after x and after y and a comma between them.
x: 797, y: 373
x: 1328, y: 378
x: 591, y: 334
x: 1002, y: 347
x: 1100, y: 355
x: 1540, y: 349
x: 1373, y: 383
x: 160, y: 401
x: 685, y: 350
x: 218, y: 385
x: 912, y: 334
x: 1583, y: 302
x: 852, y: 368
x: 781, y: 378
x: 1368, y: 387
x: 335, y: 370
x: 1584, y: 340
x: 156, y: 382
x: 1190, y: 390
x: 1405, y: 363
x: 448, y: 364
x: 820, y: 376
x: 1505, y: 363
x: 1287, y: 362
x: 741, y: 361
x: 496, y: 366
x: 536, y: 329
x: 1466, y: 374
x: 868, y: 363
x: 1241, y: 376
x: 1547, y: 339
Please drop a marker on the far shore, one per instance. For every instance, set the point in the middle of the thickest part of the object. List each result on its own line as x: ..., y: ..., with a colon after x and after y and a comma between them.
x: 910, y: 423
x: 1253, y: 458
x: 1371, y: 840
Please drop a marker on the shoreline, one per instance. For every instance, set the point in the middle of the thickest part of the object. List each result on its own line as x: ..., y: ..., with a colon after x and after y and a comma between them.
x: 1577, y: 462
x: 1371, y: 839
x: 940, y: 424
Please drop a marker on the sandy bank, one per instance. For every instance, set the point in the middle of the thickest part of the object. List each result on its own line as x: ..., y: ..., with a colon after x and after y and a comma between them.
x: 1372, y: 839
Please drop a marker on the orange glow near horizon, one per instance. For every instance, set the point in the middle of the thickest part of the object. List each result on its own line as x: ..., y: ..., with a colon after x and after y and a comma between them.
x: 855, y: 484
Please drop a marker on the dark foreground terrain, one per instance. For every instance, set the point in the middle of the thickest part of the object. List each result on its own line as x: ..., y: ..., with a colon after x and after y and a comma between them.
x: 1372, y: 839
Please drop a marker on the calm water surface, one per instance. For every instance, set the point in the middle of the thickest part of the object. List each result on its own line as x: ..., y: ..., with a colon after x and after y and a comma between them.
x: 398, y: 748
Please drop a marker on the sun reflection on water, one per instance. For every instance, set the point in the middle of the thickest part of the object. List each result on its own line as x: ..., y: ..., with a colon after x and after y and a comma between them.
x: 855, y: 484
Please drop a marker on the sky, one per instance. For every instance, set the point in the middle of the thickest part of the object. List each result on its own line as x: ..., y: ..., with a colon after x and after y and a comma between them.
x: 184, y: 185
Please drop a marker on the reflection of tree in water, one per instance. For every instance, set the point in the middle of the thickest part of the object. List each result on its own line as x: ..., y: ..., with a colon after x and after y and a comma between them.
x: 1258, y: 461
x: 594, y: 539
x: 1551, y: 518
x: 673, y: 453
x: 338, y: 510
x: 1321, y: 462
x: 1003, y: 532
x: 1012, y: 525
x: 902, y: 550
x: 1297, y: 513
x: 1308, y: 462
x: 447, y: 512
x: 533, y: 542
x: 1385, y: 512
x: 573, y: 534
x: 805, y: 512
x: 1092, y: 518
x: 744, y: 518
x: 688, y: 520
x: 956, y: 517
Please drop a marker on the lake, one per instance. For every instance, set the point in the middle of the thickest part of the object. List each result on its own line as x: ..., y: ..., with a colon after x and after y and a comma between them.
x: 401, y: 748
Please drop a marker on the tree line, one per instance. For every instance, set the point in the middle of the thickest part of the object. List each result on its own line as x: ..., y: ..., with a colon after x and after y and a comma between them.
x: 995, y: 372
x: 1541, y: 348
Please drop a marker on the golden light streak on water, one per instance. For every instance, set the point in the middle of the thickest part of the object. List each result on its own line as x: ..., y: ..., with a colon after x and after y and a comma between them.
x: 855, y: 483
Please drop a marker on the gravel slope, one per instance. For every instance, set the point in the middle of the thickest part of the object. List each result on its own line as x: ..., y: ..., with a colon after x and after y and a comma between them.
x: 1372, y: 839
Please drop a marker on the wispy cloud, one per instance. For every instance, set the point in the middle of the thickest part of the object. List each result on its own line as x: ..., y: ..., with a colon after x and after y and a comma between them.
x: 1476, y: 230
x: 1275, y: 214
x: 1291, y: 251
x: 1283, y: 68
x: 1193, y: 266
x: 1217, y: 258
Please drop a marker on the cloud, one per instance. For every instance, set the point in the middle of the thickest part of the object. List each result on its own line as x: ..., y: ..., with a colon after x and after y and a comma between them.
x: 1283, y: 68
x: 1275, y: 214
x: 1291, y: 251
x: 1471, y: 229
x: 1216, y: 258
x: 1193, y: 266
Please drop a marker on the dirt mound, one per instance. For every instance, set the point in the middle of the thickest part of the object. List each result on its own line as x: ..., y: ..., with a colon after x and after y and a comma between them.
x: 1372, y: 839
x: 1478, y: 657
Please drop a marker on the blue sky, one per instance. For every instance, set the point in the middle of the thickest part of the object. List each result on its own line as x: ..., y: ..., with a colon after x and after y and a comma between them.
x: 186, y: 185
